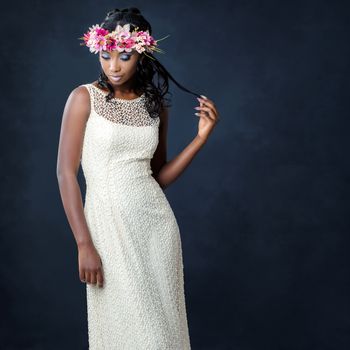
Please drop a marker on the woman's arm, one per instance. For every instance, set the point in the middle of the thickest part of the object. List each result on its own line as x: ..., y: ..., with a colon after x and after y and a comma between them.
x: 73, y: 124
x: 75, y: 115
x: 167, y: 172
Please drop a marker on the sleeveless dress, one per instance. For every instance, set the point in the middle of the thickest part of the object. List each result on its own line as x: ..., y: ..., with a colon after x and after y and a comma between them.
x: 141, y: 305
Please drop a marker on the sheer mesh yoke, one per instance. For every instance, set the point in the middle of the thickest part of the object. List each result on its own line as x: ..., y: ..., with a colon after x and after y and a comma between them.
x: 128, y: 112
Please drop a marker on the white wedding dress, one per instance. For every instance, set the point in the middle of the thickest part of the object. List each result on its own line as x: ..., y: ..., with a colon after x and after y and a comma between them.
x: 141, y: 305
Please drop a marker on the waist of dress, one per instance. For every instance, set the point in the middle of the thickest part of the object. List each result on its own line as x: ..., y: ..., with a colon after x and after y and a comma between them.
x: 129, y: 169
x: 130, y: 182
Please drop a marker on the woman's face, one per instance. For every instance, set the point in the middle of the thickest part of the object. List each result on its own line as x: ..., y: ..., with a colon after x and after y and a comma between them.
x: 119, y: 64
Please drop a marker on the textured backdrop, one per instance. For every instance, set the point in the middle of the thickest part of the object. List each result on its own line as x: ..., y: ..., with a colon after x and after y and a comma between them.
x: 263, y: 209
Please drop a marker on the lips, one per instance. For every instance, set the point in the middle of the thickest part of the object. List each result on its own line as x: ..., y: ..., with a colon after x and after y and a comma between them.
x: 115, y: 78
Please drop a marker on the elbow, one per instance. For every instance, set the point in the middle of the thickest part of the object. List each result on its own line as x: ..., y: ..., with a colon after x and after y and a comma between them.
x: 158, y: 174
x: 163, y: 184
x: 60, y: 173
x: 60, y: 176
x: 158, y: 179
x: 63, y: 174
x: 60, y: 170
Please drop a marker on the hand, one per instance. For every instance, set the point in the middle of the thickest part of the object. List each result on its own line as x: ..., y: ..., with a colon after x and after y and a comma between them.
x: 90, y: 265
x: 208, y: 117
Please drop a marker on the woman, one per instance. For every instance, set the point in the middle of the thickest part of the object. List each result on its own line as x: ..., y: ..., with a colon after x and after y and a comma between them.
x: 127, y: 236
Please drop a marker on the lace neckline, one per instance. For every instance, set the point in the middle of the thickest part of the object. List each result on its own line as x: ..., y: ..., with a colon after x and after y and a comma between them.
x: 117, y: 98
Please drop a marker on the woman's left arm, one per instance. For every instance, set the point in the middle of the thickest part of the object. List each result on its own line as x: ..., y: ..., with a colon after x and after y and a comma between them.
x: 167, y: 172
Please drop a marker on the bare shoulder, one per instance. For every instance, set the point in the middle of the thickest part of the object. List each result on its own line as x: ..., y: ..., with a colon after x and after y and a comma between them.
x: 74, y: 120
x: 78, y: 103
x: 80, y: 95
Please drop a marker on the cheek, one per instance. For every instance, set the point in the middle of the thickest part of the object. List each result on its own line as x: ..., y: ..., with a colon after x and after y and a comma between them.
x: 129, y: 66
x: 103, y: 63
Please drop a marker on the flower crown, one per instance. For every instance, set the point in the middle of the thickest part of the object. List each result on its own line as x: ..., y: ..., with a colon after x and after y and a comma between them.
x: 120, y: 39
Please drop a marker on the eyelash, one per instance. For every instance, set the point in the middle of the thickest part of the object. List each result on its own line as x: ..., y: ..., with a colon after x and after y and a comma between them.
x: 106, y: 58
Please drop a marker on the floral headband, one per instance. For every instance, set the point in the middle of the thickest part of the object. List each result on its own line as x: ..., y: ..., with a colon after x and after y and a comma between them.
x: 120, y: 39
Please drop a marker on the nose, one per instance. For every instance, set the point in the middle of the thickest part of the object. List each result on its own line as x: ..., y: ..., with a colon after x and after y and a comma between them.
x: 114, y: 65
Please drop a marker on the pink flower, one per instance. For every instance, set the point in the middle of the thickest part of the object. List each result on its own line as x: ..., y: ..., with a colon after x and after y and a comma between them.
x: 121, y: 39
x: 101, y: 31
x: 111, y: 44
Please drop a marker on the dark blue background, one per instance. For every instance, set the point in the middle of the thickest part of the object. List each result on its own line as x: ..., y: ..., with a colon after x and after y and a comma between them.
x: 263, y: 209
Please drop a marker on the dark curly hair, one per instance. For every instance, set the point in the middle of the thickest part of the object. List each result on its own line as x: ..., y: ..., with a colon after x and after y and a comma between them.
x: 145, y: 70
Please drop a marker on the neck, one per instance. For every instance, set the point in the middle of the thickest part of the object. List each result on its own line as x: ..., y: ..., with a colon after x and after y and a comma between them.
x: 126, y: 88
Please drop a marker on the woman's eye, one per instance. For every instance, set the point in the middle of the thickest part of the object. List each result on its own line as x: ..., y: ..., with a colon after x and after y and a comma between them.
x: 124, y: 58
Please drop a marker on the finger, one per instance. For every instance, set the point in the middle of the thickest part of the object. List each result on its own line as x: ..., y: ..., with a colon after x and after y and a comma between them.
x: 88, y: 277
x: 205, y: 108
x: 207, y: 101
x: 205, y: 115
x: 206, y: 105
x: 85, y: 277
x: 208, y: 110
x: 99, y: 278
x: 93, y: 277
x: 82, y: 275
x: 200, y: 101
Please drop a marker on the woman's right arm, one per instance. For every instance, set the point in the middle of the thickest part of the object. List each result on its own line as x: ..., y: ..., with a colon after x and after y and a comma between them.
x: 75, y: 116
